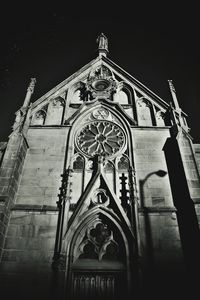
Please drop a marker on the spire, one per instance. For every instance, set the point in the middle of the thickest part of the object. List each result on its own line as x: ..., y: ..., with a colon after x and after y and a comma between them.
x: 102, y: 42
x: 173, y: 93
x: 176, y: 105
x: 30, y: 91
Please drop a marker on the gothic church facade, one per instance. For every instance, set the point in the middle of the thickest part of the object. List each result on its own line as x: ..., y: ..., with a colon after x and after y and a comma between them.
x: 99, y: 190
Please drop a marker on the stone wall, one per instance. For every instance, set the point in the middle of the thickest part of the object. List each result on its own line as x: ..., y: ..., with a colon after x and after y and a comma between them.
x: 42, y: 171
x: 10, y: 174
x: 160, y: 245
x: 197, y: 154
x: 30, y: 237
x: 190, y: 166
x: 149, y: 158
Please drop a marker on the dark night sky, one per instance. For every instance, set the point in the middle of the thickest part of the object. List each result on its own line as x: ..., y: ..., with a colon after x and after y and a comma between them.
x: 153, y: 43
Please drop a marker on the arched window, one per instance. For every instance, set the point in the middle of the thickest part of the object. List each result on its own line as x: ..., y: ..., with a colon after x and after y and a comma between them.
x: 109, y: 167
x: 123, y: 181
x: 121, y: 97
x: 76, y: 93
x: 123, y: 164
x: 145, y: 112
x: 160, y: 118
x: 78, y: 163
x: 78, y: 175
x: 124, y: 96
x: 39, y: 118
x: 55, y: 112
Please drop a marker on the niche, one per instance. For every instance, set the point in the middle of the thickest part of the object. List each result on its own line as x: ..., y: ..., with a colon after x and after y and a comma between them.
x: 55, y: 112
x: 39, y: 117
x: 145, y: 112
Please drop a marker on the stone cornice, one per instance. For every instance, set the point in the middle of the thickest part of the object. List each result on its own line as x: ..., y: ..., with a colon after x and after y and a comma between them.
x: 34, y: 208
x: 161, y: 209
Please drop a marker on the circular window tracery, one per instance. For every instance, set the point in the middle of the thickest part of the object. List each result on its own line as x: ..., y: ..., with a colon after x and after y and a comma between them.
x: 100, y: 138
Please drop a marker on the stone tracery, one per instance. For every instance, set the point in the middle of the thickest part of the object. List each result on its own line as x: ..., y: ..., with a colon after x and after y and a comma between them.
x: 98, y: 243
x: 102, y: 138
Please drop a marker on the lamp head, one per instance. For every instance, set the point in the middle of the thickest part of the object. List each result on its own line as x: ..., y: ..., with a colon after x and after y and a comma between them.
x: 161, y: 173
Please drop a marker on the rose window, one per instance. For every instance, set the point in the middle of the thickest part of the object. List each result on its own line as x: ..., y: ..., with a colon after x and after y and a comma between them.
x: 103, y: 138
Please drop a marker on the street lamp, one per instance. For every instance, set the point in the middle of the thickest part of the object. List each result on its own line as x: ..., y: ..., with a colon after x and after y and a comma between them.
x: 159, y: 173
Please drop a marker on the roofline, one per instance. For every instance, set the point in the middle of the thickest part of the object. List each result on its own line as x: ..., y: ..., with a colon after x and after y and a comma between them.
x: 64, y: 82
x: 115, y: 66
x: 137, y: 82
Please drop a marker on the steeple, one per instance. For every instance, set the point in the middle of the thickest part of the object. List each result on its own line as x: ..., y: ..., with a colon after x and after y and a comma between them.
x: 102, y: 42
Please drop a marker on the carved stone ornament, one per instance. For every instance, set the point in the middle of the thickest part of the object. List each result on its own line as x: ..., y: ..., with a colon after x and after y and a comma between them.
x: 100, y: 114
x: 40, y: 114
x: 143, y: 102
x: 57, y: 102
x: 100, y: 138
x: 98, y: 243
x: 101, y: 82
x: 160, y: 114
x: 100, y: 198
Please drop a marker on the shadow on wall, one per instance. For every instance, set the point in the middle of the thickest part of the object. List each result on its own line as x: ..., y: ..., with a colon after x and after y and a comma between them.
x: 186, y: 215
x: 147, y: 226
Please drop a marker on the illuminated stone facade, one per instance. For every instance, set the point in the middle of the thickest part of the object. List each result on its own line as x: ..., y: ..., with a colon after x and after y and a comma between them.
x: 99, y: 191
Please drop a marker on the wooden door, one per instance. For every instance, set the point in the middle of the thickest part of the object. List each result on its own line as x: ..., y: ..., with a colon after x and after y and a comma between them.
x: 97, y: 285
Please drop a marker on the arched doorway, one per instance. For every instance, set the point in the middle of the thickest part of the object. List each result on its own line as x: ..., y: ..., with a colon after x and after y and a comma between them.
x: 99, y: 266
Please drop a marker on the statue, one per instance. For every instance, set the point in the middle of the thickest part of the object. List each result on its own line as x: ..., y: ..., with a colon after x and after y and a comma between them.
x: 102, y: 42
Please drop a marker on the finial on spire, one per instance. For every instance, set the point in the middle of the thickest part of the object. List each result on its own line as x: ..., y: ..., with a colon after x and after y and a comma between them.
x: 32, y: 85
x: 102, y: 42
x: 30, y: 91
x: 173, y: 93
x: 176, y: 105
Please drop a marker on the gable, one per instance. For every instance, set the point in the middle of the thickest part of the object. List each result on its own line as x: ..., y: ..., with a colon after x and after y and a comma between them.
x: 82, y: 74
x: 98, y: 197
x: 83, y: 87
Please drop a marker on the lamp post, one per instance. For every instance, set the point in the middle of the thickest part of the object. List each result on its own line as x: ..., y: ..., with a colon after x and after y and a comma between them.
x: 159, y: 173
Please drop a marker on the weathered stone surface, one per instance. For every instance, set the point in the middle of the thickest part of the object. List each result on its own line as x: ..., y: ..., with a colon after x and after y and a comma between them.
x: 54, y: 227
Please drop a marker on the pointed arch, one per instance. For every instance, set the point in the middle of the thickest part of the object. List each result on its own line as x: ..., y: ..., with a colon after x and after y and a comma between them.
x: 109, y: 166
x: 110, y: 170
x: 125, y: 96
x: 122, y: 179
x: 123, y: 163
x: 84, y: 114
x: 80, y: 223
x: 78, y: 167
x: 78, y: 162
x: 160, y: 117
x: 39, y: 117
x: 87, y: 247
x: 145, y: 109
x: 121, y: 97
x: 55, y: 111
x: 75, y: 94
